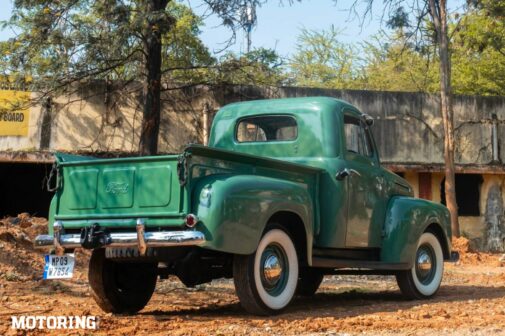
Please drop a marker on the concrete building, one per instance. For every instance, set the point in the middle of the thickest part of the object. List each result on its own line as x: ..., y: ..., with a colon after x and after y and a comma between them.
x: 408, y: 131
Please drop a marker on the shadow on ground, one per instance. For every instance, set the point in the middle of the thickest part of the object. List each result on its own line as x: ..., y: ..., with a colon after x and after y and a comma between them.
x: 342, y: 305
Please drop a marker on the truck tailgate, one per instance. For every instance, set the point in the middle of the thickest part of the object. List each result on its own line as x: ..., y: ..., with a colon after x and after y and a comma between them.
x: 125, y: 189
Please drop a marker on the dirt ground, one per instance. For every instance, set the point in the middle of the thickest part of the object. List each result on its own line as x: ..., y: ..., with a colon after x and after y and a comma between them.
x: 470, y: 301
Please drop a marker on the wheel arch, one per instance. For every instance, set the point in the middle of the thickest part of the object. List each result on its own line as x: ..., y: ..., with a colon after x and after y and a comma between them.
x: 296, y: 228
x: 437, y: 230
x: 236, y: 209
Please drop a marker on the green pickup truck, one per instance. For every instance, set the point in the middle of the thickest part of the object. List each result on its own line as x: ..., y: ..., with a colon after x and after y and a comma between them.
x: 288, y: 190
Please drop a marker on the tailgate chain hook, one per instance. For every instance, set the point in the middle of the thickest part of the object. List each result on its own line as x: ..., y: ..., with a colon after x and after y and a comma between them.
x: 54, y: 169
x: 182, y: 168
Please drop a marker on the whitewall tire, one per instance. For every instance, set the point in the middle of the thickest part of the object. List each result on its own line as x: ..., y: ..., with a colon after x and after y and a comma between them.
x: 423, y: 280
x: 266, y: 280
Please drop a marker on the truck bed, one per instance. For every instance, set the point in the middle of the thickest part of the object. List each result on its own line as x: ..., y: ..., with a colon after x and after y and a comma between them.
x: 117, y: 192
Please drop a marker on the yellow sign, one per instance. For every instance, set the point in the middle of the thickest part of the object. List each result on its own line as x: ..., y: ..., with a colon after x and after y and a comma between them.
x: 14, y: 112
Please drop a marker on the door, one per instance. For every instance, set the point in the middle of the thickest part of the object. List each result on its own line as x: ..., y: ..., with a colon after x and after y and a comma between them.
x: 363, y: 175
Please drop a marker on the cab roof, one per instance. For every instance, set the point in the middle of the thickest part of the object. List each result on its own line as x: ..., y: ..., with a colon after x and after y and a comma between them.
x: 284, y: 105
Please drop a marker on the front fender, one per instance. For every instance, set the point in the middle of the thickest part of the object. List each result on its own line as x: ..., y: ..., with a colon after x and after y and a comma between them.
x: 234, y: 209
x: 406, y: 219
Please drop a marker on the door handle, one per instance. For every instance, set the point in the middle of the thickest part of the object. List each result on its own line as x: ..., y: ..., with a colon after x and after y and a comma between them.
x: 346, y: 172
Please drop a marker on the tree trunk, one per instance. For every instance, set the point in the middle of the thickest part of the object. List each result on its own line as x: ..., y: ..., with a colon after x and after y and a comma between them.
x: 152, y: 86
x: 205, y: 123
x: 47, y: 122
x: 438, y: 12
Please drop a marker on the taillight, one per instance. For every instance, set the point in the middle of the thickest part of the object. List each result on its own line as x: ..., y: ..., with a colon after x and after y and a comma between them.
x: 191, y: 220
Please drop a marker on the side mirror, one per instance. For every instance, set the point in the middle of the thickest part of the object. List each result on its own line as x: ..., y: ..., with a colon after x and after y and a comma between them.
x: 368, y: 120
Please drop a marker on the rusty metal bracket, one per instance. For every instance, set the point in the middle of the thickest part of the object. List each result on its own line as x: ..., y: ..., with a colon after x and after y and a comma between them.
x: 57, y: 231
x: 141, y: 240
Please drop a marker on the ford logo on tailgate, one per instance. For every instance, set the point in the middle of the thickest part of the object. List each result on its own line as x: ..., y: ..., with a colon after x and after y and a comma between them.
x: 116, y: 188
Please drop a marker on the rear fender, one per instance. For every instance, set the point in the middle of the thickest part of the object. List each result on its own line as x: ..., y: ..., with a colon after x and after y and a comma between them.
x: 233, y: 210
x: 407, y: 218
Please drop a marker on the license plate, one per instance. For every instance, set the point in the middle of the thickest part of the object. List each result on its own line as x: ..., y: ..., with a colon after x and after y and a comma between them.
x: 59, y: 267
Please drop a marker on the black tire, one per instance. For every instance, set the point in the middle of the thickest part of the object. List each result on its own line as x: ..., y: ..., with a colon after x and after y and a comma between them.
x: 266, y: 280
x: 423, y: 280
x: 121, y: 288
x: 309, y: 280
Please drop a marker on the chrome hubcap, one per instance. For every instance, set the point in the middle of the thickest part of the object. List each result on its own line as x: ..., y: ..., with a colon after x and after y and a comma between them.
x: 425, y: 264
x: 272, y: 270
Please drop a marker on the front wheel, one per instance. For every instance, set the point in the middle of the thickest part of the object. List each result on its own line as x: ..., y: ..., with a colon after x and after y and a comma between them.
x: 266, y: 280
x: 121, y: 287
x: 423, y: 280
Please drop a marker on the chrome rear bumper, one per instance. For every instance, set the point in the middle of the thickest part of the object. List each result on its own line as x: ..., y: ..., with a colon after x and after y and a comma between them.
x: 140, y: 239
x: 152, y: 239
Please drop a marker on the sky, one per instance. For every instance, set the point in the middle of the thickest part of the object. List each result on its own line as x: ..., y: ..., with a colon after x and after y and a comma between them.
x: 278, y: 25
x: 5, y: 12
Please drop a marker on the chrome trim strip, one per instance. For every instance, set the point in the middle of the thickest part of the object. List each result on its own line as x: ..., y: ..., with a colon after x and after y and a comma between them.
x: 129, y: 239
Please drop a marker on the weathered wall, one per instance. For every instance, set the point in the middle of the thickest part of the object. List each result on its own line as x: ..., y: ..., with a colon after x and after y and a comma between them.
x: 95, y: 120
x: 492, y: 208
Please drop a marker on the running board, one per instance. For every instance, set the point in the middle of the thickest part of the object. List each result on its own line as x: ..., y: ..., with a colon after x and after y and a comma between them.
x: 362, y: 264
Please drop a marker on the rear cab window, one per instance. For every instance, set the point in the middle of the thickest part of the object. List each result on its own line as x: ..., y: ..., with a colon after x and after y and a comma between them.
x: 266, y: 128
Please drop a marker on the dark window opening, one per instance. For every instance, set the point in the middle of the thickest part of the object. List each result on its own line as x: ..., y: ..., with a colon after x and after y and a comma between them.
x: 425, y: 185
x: 357, y: 138
x: 401, y: 174
x: 23, y: 187
x: 467, y: 193
x: 266, y: 128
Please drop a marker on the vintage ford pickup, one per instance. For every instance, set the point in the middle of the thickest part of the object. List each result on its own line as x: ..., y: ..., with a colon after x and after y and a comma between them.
x: 288, y: 190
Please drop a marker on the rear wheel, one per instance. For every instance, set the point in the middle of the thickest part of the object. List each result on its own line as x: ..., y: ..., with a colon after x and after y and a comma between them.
x: 266, y: 280
x: 423, y: 280
x: 309, y: 281
x: 122, y: 288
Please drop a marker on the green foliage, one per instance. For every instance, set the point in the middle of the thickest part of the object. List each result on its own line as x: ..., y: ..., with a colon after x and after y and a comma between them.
x: 479, y: 50
x: 258, y: 67
x: 399, y: 18
x: 61, y: 42
x: 395, y: 63
x: 186, y: 59
x: 321, y: 60
x: 64, y: 41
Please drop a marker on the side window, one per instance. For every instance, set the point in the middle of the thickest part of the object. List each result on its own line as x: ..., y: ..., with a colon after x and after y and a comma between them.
x: 357, y: 140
